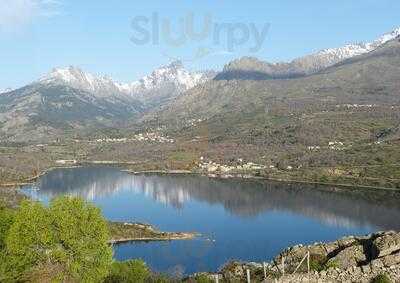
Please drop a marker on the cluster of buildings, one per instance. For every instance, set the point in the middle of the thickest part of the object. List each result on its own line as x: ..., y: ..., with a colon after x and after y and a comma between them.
x: 333, y: 145
x: 153, y: 137
x: 213, y: 167
x: 142, y: 137
x: 352, y: 106
x: 193, y: 122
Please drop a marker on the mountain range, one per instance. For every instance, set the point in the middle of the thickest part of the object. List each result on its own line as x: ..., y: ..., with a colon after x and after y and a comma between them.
x: 253, y: 68
x: 162, y: 84
x: 354, y: 101
x: 248, y: 89
x: 70, y: 100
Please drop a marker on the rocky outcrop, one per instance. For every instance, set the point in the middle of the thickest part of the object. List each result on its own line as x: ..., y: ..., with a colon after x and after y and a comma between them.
x: 350, y: 259
x: 386, y: 244
x: 351, y: 256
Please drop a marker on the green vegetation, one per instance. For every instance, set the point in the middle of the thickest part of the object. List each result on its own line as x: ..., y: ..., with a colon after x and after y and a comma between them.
x: 382, y: 278
x: 202, y: 278
x: 66, y: 241
x: 133, y: 231
x: 132, y: 271
x: 320, y: 263
x: 121, y: 232
x: 6, y: 220
x: 135, y: 271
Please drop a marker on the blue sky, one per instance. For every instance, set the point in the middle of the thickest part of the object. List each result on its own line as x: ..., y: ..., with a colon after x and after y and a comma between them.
x: 37, y: 35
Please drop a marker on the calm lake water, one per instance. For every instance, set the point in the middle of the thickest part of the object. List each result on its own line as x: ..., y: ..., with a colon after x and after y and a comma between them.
x: 238, y: 219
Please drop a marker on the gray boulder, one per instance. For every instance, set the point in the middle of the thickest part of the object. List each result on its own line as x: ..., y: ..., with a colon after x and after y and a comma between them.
x: 349, y: 257
x: 385, y: 245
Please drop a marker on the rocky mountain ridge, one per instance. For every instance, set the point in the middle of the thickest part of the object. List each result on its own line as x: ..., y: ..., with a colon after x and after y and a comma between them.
x: 71, y: 100
x: 163, y: 83
x: 253, y: 68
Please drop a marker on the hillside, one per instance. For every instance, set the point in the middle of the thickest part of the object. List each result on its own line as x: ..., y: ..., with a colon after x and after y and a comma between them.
x: 339, y: 125
x: 367, y: 81
x: 346, y: 115
x: 40, y: 111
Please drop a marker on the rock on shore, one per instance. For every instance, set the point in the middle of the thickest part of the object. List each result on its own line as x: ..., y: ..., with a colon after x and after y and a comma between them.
x: 350, y: 259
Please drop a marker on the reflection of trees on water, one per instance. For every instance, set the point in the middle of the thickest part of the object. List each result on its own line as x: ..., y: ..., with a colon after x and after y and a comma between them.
x: 240, y: 197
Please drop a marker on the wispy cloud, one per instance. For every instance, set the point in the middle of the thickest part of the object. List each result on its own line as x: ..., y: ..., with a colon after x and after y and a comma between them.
x: 16, y: 14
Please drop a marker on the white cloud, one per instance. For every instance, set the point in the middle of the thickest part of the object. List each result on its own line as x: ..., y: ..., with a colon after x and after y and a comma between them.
x: 15, y: 14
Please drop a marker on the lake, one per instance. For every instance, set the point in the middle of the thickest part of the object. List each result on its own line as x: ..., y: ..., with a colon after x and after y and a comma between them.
x: 249, y: 220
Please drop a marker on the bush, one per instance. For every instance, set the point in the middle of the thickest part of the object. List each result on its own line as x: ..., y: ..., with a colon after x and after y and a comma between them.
x: 131, y: 271
x: 69, y: 237
x: 320, y: 262
x: 202, y: 278
x: 382, y: 278
x: 6, y: 220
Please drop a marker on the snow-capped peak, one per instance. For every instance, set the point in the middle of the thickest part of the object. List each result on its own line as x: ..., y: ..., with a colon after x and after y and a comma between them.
x: 308, y: 64
x: 171, y: 80
x: 174, y: 73
x: 5, y: 90
x: 356, y: 49
x: 387, y: 37
x: 76, y: 78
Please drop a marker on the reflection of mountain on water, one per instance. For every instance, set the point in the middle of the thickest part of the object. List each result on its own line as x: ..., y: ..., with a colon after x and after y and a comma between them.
x: 243, y: 198
x: 85, y: 182
x: 92, y: 182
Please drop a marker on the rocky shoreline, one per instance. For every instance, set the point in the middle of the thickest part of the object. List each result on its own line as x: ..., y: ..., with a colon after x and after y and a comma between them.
x: 350, y: 259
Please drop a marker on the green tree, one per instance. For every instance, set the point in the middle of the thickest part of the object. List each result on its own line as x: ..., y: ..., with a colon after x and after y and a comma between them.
x: 66, y: 241
x: 83, y: 233
x: 30, y: 239
x: 381, y: 278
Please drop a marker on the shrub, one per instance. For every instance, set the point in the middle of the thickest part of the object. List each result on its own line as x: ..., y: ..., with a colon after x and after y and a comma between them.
x: 202, y: 278
x: 6, y: 220
x: 319, y: 262
x: 316, y: 262
x: 331, y: 264
x: 162, y: 278
x: 131, y: 271
x: 382, y: 278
